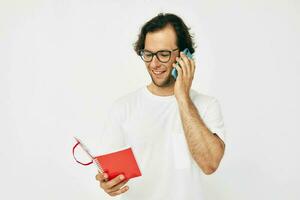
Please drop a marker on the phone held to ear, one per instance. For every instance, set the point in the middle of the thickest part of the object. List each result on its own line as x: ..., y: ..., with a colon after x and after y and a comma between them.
x: 187, y: 52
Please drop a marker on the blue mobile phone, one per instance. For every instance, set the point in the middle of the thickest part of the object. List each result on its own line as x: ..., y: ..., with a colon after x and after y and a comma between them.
x: 187, y: 52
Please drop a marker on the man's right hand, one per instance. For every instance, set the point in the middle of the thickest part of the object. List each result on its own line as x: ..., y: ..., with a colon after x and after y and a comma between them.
x: 113, y: 186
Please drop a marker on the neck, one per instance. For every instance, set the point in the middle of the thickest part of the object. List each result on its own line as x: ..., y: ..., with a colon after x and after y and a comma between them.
x: 161, y: 91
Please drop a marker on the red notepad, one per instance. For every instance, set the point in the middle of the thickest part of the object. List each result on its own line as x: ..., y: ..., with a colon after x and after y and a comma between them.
x: 120, y: 162
x: 114, y: 164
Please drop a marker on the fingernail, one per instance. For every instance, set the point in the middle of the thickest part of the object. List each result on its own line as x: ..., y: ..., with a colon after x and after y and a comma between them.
x: 121, y: 177
x: 105, y: 176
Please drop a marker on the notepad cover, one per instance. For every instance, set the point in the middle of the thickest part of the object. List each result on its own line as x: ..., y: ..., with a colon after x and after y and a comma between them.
x: 119, y: 162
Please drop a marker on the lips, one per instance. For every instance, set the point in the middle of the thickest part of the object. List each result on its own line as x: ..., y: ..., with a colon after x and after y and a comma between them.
x: 158, y: 72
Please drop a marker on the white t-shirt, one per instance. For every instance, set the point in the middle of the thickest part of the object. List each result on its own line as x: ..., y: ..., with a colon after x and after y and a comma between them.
x: 151, y: 125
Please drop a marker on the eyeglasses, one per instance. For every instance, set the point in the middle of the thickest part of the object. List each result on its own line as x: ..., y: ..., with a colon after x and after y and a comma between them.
x: 162, y: 55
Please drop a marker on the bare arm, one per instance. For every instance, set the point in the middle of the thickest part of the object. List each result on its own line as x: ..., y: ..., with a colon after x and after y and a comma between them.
x: 206, y: 148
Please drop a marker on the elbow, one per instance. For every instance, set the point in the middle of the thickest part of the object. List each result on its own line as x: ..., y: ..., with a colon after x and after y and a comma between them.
x: 209, y: 170
x: 212, y: 165
x: 207, y: 167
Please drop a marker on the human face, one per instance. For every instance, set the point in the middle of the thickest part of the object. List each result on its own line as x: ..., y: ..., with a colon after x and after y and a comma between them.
x: 164, y: 39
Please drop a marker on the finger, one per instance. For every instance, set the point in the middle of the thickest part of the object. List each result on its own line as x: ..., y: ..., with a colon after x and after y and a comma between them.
x: 187, y: 64
x: 179, y: 70
x: 117, y: 187
x: 113, y: 182
x: 182, y: 66
x: 102, y: 177
x: 193, y: 67
x: 120, y: 191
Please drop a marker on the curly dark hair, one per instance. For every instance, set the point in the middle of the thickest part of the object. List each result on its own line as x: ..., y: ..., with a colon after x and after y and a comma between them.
x: 184, y: 38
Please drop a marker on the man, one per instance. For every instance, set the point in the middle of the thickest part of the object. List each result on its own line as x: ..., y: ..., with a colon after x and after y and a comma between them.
x: 176, y: 133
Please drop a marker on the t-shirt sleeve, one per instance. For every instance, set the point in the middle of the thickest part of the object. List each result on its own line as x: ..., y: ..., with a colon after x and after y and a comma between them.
x: 214, y: 120
x: 112, y: 137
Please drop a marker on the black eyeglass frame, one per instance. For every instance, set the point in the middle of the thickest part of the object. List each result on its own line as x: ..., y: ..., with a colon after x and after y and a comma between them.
x: 155, y: 54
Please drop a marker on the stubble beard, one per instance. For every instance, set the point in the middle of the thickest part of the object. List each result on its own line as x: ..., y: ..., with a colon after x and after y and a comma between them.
x: 167, y: 82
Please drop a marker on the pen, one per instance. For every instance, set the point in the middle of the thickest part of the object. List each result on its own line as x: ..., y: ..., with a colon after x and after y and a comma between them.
x: 85, y: 149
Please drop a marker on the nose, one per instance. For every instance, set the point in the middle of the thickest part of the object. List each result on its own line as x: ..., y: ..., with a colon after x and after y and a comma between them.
x: 155, y: 62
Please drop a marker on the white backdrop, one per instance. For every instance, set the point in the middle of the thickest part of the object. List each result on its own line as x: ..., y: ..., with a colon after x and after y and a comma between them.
x: 62, y: 63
